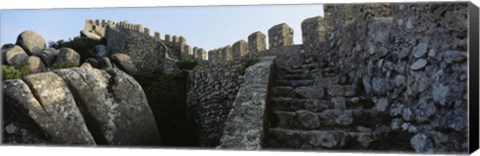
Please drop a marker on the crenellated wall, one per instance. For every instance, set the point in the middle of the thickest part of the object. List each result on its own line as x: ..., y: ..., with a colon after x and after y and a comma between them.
x: 279, y: 35
x: 131, y: 38
x: 409, y: 61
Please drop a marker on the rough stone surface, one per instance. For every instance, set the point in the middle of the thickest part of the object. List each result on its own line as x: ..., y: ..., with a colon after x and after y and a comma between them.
x: 404, y: 67
x: 451, y: 56
x: 420, y: 50
x: 31, y: 42
x: 100, y: 51
x: 78, y: 106
x: 421, y: 143
x: 93, y: 62
x: 145, y: 52
x: 308, y: 119
x: 280, y: 35
x: 68, y: 56
x: 256, y: 42
x: 15, y: 56
x: 313, y: 32
x: 419, y: 64
x: 381, y: 104
x: 211, y: 93
x: 105, y: 63
x: 124, y: 62
x: 57, y: 102
x: 244, y: 128
x: 114, y: 105
x: 48, y: 56
x: 24, y: 117
x: 90, y: 34
x: 240, y: 49
x: 394, y: 77
x: 440, y: 94
x: 35, y: 65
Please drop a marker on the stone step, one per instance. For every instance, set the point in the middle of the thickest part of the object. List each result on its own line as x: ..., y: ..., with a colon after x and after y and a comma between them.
x: 280, y: 138
x: 305, y: 66
x: 294, y: 83
x: 328, y: 119
x: 293, y: 104
x: 308, y: 92
x: 283, y: 91
x: 309, y: 66
x: 342, y: 90
x: 301, y: 76
x: 291, y: 71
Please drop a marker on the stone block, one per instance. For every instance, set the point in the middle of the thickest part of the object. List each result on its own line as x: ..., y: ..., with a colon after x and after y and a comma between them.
x: 313, y: 31
x: 140, y: 28
x: 240, y: 49
x: 210, y: 56
x: 227, y: 53
x: 380, y: 9
x: 168, y: 38
x: 194, y: 52
x: 280, y: 35
x: 256, y: 42
x: 202, y: 54
x: 146, y: 31
x: 157, y: 36
x: 189, y: 50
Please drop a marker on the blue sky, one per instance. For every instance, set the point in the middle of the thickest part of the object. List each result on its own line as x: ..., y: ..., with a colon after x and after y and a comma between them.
x: 207, y: 27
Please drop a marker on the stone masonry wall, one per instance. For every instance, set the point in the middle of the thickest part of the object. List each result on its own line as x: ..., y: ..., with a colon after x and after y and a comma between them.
x: 410, y: 60
x: 213, y: 87
x: 148, y: 52
x: 211, y: 92
x: 244, y: 128
x: 146, y: 58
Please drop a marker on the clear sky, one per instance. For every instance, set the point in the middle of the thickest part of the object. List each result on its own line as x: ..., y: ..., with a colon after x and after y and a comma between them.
x: 207, y: 27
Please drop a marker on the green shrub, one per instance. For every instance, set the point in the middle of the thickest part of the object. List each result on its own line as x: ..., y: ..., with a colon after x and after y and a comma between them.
x: 186, y: 65
x: 10, y: 72
x: 82, y: 45
x: 25, y: 69
x: 64, y: 64
x: 247, y: 63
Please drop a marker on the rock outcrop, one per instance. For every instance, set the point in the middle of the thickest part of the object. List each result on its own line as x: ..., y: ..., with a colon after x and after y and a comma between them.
x: 15, y: 56
x: 90, y: 34
x: 30, y: 55
x: 78, y: 106
x: 124, y: 62
x: 31, y: 42
x: 68, y: 57
x: 48, y: 56
x: 35, y: 65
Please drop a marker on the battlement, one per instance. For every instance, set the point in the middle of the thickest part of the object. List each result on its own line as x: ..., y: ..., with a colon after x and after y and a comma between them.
x: 279, y: 35
x: 178, y: 43
x: 314, y: 32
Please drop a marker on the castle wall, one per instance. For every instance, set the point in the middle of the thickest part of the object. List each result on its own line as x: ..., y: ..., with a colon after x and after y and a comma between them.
x: 145, y: 52
x: 244, y: 127
x: 211, y: 92
x: 178, y: 49
x: 409, y: 59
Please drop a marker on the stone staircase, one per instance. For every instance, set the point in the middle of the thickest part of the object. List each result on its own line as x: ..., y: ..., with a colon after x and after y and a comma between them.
x: 312, y: 107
